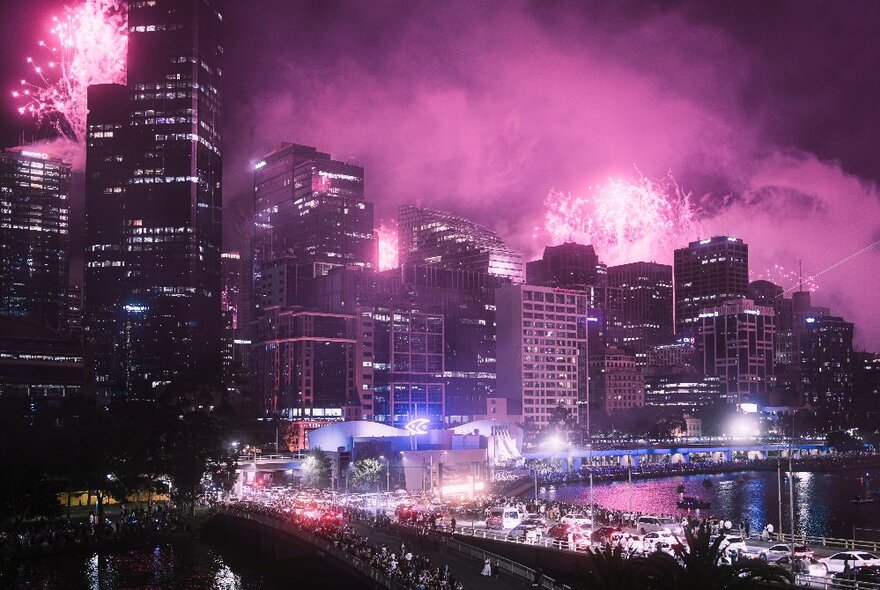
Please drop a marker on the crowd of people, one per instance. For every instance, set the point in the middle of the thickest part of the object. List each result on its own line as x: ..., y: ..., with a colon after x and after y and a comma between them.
x: 49, y: 535
x: 408, y: 570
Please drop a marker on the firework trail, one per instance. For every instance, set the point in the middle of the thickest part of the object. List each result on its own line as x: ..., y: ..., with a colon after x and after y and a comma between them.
x: 87, y: 46
x: 626, y: 220
x: 388, y: 256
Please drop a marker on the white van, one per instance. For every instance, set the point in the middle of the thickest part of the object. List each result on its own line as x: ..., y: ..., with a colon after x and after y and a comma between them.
x: 649, y: 524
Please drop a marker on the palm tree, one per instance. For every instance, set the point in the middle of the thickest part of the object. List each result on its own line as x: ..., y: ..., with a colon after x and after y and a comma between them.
x: 698, y: 566
x: 610, y: 568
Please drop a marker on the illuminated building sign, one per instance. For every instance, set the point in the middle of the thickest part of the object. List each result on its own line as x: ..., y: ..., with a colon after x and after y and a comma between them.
x: 418, y: 426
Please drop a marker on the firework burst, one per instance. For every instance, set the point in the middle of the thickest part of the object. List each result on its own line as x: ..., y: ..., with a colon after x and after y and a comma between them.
x: 624, y: 219
x: 788, y: 279
x: 388, y: 256
x: 87, y: 46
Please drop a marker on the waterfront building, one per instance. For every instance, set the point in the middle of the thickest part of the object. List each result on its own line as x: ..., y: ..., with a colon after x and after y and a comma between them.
x: 39, y: 367
x: 153, y: 206
x: 305, y: 363
x: 34, y: 237
x: 615, y: 380
x: 706, y: 274
x: 646, y: 306
x: 826, y: 354
x: 400, y: 364
x: 737, y: 346
x: 542, y: 331
x: 428, y: 236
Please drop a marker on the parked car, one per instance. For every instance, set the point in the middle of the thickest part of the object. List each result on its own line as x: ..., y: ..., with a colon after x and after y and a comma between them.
x: 538, y: 522
x: 782, y: 549
x: 524, y: 533
x: 652, y: 538
x: 730, y: 544
x: 577, y: 518
x: 649, y: 524
x: 814, y: 566
x: 869, y: 574
x: 837, y: 562
x: 606, y: 534
x: 495, y: 518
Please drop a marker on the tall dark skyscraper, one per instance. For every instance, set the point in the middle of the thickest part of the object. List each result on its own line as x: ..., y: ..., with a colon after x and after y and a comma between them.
x: 153, y: 205
x: 569, y: 265
x: 706, y: 274
x: 646, y: 306
x: 427, y: 236
x: 826, y: 361
x: 34, y: 237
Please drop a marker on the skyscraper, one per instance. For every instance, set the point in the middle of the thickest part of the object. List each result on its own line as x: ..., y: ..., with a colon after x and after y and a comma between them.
x: 153, y: 205
x: 646, y: 306
x: 826, y: 360
x: 569, y: 265
x: 542, y: 332
x: 617, y: 385
x: 427, y: 236
x: 34, y: 237
x: 706, y: 274
x: 737, y: 344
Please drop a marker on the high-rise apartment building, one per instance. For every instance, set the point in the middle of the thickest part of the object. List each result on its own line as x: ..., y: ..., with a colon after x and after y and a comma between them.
x: 153, y: 205
x: 541, y: 333
x: 737, y: 345
x: 646, y: 306
x: 569, y: 265
x: 826, y: 362
x: 34, y: 237
x: 427, y: 236
x: 706, y: 274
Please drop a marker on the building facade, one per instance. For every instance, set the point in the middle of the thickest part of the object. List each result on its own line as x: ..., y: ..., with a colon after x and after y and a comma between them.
x: 737, y: 345
x: 569, y: 265
x: 706, y: 274
x: 427, y: 236
x: 646, y: 306
x: 615, y: 380
x: 34, y: 237
x: 826, y: 355
x: 541, y: 334
x: 153, y: 206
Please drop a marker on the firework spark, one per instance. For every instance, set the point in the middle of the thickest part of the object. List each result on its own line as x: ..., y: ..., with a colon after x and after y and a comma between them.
x: 88, y: 46
x: 788, y: 279
x: 624, y: 219
x: 388, y: 256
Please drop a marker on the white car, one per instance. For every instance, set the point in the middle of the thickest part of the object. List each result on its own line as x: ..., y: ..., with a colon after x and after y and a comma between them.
x: 836, y: 562
x: 780, y: 550
x: 650, y: 540
x: 578, y: 519
x: 648, y: 524
x: 731, y: 544
x: 524, y: 533
x: 814, y: 567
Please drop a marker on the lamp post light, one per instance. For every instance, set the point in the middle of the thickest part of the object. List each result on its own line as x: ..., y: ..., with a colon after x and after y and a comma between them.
x: 387, y: 472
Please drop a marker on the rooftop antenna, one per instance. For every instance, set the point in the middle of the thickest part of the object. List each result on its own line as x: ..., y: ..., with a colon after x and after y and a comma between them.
x: 800, y: 275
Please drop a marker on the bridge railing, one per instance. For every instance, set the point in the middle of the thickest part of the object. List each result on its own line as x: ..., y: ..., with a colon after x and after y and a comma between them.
x: 862, y: 544
x: 827, y: 583
x: 512, y: 567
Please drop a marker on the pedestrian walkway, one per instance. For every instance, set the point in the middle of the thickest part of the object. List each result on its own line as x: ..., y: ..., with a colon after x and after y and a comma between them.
x: 466, y: 569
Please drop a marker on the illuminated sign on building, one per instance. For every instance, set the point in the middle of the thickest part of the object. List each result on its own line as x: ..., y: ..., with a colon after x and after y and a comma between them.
x: 417, y: 426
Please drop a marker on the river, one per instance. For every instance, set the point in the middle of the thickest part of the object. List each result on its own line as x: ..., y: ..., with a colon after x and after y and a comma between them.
x: 822, y: 500
x: 186, y: 565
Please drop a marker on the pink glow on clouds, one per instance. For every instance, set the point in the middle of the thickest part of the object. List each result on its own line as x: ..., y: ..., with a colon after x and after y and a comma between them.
x: 455, y: 110
x: 388, y: 251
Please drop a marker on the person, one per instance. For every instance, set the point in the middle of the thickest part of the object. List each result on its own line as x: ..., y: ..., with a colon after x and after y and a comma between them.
x: 538, y: 580
x: 487, y: 569
x: 453, y: 523
x: 496, y: 569
x: 747, y: 528
x: 846, y: 567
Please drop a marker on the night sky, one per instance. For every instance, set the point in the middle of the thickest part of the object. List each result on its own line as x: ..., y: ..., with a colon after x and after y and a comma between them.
x: 766, y: 111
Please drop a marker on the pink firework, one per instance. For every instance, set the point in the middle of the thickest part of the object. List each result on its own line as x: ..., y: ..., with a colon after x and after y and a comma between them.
x: 788, y: 279
x: 88, y: 47
x: 626, y: 220
x: 388, y: 257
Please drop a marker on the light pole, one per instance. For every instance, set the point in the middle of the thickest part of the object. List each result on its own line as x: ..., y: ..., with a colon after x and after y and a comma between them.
x: 791, y: 492
x: 630, y: 474
x: 779, y: 487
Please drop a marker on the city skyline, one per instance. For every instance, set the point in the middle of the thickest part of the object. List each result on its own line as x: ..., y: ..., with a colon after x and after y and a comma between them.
x: 758, y: 166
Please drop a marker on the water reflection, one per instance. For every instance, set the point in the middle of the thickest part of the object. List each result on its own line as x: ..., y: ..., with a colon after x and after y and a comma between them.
x: 822, y: 506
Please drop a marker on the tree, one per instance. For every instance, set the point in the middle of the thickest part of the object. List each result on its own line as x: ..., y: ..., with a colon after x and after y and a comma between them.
x: 368, y: 474
x: 609, y: 568
x: 697, y: 565
x: 317, y: 469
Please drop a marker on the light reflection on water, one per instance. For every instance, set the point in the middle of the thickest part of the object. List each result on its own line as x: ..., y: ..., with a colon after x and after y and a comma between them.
x: 822, y: 500
x: 169, y: 566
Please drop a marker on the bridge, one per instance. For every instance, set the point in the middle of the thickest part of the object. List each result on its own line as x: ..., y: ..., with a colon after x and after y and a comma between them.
x: 715, y: 453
